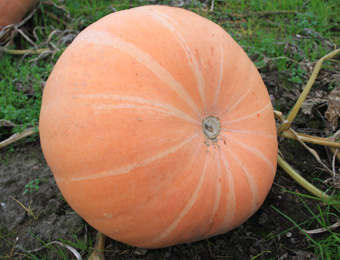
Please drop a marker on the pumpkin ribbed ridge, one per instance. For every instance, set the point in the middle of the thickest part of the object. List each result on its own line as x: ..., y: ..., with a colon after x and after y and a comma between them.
x: 158, y: 128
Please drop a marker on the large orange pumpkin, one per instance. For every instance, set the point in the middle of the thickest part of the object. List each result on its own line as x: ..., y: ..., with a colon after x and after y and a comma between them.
x: 158, y: 128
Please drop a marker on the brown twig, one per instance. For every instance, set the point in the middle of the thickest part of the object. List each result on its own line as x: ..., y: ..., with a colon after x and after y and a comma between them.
x: 29, y: 211
x: 306, y: 184
x: 322, y: 230
x: 335, y: 151
x: 309, y: 139
x: 73, y: 250
x: 28, y: 51
x: 312, y: 151
x: 18, y: 136
x: 68, y: 15
x: 55, y: 18
x: 98, y: 252
x: 285, y: 125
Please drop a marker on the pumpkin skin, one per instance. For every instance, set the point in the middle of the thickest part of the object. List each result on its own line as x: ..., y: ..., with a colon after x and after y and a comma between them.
x: 158, y: 128
x: 12, y: 11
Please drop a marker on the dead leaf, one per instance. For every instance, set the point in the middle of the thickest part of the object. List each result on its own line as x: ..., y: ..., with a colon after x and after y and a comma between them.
x: 319, y: 97
x: 334, y: 181
x: 291, y: 49
x: 327, y: 78
x: 302, y: 255
x: 292, y: 94
x: 317, y: 36
x: 269, y: 63
x: 333, y: 111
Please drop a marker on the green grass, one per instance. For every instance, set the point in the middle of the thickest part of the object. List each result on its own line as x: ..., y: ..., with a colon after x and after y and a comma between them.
x: 57, y: 249
x: 265, y: 29
x: 326, y: 244
x: 21, y: 90
x: 279, y: 28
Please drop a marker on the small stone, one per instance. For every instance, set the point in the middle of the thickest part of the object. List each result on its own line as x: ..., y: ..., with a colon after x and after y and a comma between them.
x: 263, y: 218
x: 140, y: 251
x: 293, y: 240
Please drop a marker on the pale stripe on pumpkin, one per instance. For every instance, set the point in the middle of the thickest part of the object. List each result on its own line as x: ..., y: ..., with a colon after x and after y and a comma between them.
x: 140, y: 103
x: 244, y: 95
x: 193, y: 64
x: 104, y: 38
x: 254, y: 151
x: 268, y: 106
x: 231, y: 196
x: 128, y: 168
x: 252, y: 184
x: 218, y: 192
x: 220, y: 77
x: 181, y: 215
x: 264, y: 134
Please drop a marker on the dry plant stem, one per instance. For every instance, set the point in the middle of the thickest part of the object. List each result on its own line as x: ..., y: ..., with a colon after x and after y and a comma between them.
x: 22, y: 52
x: 68, y: 15
x: 73, y: 250
x: 98, y: 252
x: 14, y: 245
x: 335, y: 151
x: 29, y: 211
x: 27, y: 52
x: 322, y: 230
x: 18, y: 136
x: 304, y: 183
x: 26, y: 37
x: 55, y: 18
x: 294, y: 135
x: 336, y: 61
x: 310, y: 139
x: 308, y: 86
x: 312, y: 151
x: 212, y: 5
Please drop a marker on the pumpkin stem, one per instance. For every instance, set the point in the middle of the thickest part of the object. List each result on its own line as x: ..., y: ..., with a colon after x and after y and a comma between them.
x: 211, y: 127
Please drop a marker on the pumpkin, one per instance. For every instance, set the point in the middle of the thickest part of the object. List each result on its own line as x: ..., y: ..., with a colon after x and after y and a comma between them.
x: 158, y: 128
x: 12, y: 11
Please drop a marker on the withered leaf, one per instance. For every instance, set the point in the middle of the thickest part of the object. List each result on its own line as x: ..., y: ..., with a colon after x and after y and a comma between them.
x: 333, y: 110
x: 319, y: 97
